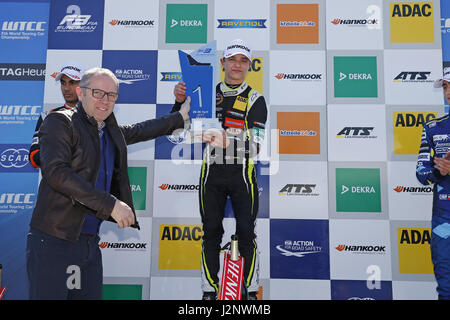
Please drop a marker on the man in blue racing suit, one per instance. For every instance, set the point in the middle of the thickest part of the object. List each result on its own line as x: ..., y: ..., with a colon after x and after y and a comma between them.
x: 433, y: 167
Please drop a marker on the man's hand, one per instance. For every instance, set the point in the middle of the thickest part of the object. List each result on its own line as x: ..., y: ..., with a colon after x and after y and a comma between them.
x: 123, y: 214
x: 443, y: 164
x: 216, y: 138
x: 185, y: 107
x: 180, y: 92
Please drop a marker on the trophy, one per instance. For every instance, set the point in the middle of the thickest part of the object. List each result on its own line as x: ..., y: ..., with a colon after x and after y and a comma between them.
x: 199, y: 73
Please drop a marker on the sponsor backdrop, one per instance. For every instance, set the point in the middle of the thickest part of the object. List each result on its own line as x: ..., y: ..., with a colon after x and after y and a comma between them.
x: 348, y: 85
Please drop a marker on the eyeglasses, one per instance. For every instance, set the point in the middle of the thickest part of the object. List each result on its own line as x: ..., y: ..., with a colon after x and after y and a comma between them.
x: 99, y: 94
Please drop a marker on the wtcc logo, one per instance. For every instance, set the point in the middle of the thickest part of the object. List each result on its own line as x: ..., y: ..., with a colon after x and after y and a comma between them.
x: 23, y: 25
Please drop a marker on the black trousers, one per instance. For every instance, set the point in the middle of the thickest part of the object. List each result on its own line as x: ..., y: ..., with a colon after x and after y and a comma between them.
x: 217, y: 183
x: 62, y: 270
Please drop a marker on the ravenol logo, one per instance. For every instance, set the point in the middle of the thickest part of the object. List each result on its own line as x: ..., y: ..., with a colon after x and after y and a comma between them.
x: 241, y: 23
x: 171, y: 76
x: 358, y: 190
x: 355, y: 77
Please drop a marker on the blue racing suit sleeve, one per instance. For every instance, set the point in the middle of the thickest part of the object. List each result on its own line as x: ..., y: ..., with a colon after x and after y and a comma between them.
x: 426, y: 173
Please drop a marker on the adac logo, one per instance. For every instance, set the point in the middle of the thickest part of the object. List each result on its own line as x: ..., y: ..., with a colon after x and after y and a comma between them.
x: 413, y: 119
x: 414, y: 250
x: 74, y: 21
x: 407, y: 130
x: 298, y: 190
x: 179, y: 247
x: 367, y: 249
x: 412, y: 22
x: 413, y: 77
x: 412, y: 10
x: 133, y: 23
x: 356, y: 133
x: 241, y: 23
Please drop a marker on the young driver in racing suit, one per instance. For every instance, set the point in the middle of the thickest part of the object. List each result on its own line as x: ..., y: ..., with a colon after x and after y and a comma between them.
x: 69, y: 78
x: 228, y: 168
x: 433, y: 167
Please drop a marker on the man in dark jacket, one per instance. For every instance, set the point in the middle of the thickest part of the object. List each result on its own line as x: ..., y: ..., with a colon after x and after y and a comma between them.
x: 84, y: 182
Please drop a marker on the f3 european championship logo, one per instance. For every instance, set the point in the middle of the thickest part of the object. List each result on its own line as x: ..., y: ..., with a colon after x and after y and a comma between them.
x: 412, y: 22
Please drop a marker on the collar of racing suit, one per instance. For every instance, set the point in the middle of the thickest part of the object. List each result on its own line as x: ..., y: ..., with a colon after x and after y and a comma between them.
x: 227, y: 91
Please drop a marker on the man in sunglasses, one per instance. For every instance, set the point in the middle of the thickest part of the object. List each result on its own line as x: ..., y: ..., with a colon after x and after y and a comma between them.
x: 69, y: 78
x: 84, y: 182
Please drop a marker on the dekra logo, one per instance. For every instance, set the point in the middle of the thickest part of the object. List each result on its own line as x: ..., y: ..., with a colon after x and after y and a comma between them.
x: 357, y: 189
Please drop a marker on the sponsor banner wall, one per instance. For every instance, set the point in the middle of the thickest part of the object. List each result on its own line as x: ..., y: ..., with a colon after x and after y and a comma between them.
x: 24, y: 29
x: 348, y: 86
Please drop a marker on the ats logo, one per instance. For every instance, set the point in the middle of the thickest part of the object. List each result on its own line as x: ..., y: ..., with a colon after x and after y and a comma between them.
x: 356, y: 132
x: 413, y: 76
x: 179, y: 247
x: 408, y: 129
x: 414, y: 253
x: 412, y: 22
x: 298, y: 190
